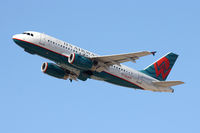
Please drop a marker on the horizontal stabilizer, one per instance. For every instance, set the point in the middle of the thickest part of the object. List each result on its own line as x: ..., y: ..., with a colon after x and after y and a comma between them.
x: 167, y: 83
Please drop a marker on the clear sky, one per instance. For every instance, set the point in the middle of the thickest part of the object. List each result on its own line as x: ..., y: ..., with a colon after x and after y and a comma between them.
x: 32, y: 102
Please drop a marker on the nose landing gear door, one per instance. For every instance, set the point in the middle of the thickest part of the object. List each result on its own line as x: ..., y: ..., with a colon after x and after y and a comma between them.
x: 140, y: 79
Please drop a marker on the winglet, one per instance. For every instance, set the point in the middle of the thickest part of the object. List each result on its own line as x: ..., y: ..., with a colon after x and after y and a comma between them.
x: 153, y: 53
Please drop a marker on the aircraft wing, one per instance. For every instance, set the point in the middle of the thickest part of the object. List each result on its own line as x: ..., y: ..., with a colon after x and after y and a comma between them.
x: 117, y: 59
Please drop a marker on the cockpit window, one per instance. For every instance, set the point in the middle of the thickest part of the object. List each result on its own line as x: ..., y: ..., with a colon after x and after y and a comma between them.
x: 30, y: 34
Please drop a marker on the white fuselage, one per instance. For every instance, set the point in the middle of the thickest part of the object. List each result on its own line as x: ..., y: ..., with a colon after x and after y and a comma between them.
x: 65, y: 49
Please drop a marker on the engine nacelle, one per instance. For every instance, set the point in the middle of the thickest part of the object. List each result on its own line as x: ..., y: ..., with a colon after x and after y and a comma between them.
x: 54, y: 70
x: 80, y: 61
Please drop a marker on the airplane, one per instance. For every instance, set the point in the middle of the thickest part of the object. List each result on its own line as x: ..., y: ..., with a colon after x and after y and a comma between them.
x: 75, y: 63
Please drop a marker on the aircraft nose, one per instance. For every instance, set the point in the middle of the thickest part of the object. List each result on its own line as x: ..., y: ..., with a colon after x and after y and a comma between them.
x: 17, y: 37
x: 14, y: 37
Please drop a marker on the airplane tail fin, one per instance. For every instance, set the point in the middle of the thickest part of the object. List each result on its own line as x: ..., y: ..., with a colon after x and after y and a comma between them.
x: 162, y: 67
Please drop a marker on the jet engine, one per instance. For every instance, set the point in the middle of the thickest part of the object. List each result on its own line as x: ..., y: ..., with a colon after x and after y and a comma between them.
x: 80, y: 61
x: 54, y: 70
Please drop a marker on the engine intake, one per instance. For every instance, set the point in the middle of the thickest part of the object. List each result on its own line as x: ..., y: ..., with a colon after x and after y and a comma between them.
x: 54, y: 70
x: 80, y: 61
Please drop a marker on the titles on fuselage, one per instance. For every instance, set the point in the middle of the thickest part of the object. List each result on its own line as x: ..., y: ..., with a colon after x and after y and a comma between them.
x: 71, y: 48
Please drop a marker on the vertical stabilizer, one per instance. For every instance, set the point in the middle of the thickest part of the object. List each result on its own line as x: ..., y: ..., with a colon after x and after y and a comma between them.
x: 162, y: 67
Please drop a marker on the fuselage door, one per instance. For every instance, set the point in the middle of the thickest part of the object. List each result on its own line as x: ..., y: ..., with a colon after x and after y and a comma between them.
x: 140, y: 78
x: 42, y: 39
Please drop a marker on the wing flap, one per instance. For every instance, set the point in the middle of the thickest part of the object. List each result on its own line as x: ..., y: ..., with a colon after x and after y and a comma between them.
x: 167, y: 83
x: 121, y: 58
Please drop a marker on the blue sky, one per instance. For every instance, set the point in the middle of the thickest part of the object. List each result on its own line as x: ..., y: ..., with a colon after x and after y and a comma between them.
x: 31, y: 101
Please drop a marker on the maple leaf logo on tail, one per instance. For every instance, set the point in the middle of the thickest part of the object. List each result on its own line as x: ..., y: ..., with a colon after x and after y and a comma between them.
x: 162, y: 67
